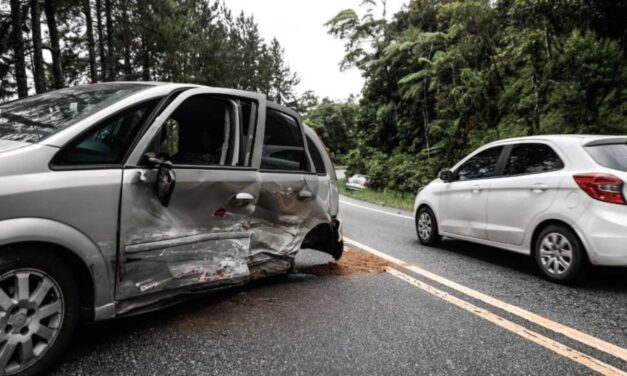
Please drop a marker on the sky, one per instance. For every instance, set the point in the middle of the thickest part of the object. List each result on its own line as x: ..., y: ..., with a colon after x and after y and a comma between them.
x: 309, y: 50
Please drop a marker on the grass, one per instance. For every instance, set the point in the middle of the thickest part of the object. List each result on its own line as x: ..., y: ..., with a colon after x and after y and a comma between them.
x: 392, y: 199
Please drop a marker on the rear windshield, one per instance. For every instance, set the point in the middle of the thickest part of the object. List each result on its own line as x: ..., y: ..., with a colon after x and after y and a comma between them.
x: 35, y: 118
x: 612, y: 156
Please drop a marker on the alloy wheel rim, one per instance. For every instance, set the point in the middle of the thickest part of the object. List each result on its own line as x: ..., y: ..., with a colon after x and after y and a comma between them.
x: 556, y: 253
x: 31, y: 316
x: 424, y: 226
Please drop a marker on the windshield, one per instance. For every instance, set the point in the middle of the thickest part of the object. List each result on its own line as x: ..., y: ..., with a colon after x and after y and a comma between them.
x: 612, y: 156
x: 35, y: 118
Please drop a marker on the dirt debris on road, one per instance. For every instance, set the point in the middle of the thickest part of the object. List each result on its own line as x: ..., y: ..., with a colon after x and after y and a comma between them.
x: 354, y: 261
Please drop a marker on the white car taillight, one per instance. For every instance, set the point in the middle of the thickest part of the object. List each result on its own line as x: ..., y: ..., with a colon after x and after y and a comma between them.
x: 602, y: 187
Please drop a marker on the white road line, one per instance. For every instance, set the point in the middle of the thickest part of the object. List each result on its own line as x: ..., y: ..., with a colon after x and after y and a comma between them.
x: 561, y: 349
x: 376, y: 210
x: 556, y: 327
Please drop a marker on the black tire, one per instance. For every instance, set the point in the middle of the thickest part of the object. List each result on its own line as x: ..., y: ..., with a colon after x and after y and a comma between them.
x: 18, y: 261
x: 551, y: 257
x: 427, y: 235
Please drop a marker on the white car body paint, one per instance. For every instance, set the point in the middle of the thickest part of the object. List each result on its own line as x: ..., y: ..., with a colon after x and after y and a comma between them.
x: 504, y: 211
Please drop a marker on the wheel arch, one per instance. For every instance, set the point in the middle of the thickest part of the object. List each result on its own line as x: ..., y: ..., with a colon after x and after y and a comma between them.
x: 79, y: 269
x: 325, y: 237
x: 548, y: 222
x: 430, y: 207
x: 72, y: 246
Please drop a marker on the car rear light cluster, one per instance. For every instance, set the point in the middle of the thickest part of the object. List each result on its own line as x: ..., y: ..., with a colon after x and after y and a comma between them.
x: 602, y: 187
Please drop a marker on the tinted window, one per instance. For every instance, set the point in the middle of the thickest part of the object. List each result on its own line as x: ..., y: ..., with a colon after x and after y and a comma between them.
x: 532, y: 159
x: 482, y: 165
x: 108, y: 142
x: 316, y: 157
x: 283, y: 147
x: 35, y: 118
x: 612, y: 156
x: 201, y: 131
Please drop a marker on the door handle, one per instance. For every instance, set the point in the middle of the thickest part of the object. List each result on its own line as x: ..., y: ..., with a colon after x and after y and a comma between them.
x: 242, y: 198
x: 539, y: 187
x: 476, y: 189
x: 304, y: 195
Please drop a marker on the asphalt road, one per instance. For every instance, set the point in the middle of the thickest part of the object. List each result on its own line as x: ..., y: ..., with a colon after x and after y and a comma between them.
x: 304, y: 324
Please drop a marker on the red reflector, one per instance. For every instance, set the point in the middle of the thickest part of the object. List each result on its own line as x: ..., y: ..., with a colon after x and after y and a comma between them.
x: 602, y: 187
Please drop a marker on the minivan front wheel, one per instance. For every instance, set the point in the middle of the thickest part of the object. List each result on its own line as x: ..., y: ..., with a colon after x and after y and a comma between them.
x: 427, y: 227
x: 559, y: 254
x: 38, y: 311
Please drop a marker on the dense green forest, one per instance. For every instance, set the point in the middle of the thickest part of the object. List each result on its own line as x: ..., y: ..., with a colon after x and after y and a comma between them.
x: 446, y: 76
x: 442, y: 77
x: 49, y: 44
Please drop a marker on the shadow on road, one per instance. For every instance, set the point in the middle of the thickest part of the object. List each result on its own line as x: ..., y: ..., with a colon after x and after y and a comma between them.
x: 609, y: 279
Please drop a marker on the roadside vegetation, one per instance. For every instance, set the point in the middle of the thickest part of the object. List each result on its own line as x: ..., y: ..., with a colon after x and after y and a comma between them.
x: 445, y: 77
x: 191, y: 41
x: 393, y: 199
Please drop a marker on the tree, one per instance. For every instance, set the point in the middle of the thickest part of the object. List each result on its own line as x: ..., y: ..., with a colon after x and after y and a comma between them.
x: 39, y: 73
x: 101, y: 41
x: 17, y: 43
x: 283, y: 80
x: 90, y: 40
x: 55, y: 49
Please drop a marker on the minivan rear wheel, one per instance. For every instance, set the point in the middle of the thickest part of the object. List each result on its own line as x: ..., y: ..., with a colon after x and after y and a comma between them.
x: 427, y: 227
x: 559, y: 254
x: 39, y: 308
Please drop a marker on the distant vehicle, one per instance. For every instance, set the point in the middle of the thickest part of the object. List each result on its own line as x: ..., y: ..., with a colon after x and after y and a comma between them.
x: 560, y: 199
x: 357, y: 182
x: 118, y: 198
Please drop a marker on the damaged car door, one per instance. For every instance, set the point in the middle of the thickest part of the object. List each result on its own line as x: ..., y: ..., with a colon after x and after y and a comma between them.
x: 288, y: 205
x: 187, y: 199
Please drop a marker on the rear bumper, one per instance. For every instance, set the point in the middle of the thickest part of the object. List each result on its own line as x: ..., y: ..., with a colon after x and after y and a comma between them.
x: 604, y: 230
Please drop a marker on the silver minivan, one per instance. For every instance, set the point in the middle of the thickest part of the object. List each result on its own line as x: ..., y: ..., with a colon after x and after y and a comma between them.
x: 118, y: 198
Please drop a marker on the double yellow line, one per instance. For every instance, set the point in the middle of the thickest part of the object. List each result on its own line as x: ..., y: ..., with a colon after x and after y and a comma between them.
x: 566, y: 351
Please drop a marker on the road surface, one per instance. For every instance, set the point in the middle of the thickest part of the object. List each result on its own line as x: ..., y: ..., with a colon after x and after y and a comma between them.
x: 456, y: 309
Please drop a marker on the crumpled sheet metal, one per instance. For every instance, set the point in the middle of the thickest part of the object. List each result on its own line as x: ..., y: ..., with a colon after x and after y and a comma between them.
x: 248, y: 242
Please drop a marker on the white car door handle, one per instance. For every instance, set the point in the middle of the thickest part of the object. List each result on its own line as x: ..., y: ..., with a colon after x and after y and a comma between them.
x: 539, y: 187
x: 476, y: 189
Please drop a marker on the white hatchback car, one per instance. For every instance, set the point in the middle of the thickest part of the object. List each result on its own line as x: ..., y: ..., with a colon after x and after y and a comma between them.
x: 560, y: 199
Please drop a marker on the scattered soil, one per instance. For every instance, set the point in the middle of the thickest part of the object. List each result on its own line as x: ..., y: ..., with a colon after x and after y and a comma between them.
x: 353, y: 261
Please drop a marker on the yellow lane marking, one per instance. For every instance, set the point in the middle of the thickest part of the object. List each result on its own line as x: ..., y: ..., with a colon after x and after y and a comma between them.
x: 556, y: 327
x: 583, y: 359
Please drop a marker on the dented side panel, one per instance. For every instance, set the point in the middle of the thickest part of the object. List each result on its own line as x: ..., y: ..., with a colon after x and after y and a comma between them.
x: 201, y: 237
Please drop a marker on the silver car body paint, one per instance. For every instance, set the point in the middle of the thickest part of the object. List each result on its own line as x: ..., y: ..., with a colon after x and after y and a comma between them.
x: 140, y: 252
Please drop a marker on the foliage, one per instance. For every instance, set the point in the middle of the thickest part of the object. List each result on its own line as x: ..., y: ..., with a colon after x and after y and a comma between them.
x: 194, y: 41
x: 392, y: 199
x: 335, y: 124
x: 444, y: 77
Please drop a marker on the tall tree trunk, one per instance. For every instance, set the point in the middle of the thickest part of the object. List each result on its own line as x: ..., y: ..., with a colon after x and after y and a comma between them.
x: 126, y: 40
x: 90, y: 41
x: 145, y: 59
x: 57, y: 65
x: 39, y: 73
x: 17, y: 43
x: 101, y: 42
x: 111, y: 64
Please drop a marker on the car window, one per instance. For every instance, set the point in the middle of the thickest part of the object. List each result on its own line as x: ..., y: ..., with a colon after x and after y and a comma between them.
x: 316, y: 156
x: 283, y: 146
x: 108, y: 142
x: 482, y: 165
x: 612, y: 156
x: 200, y: 132
x: 532, y: 159
x: 34, y: 118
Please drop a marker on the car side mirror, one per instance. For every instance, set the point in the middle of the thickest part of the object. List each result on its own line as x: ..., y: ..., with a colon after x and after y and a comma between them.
x: 166, y: 177
x: 447, y: 176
